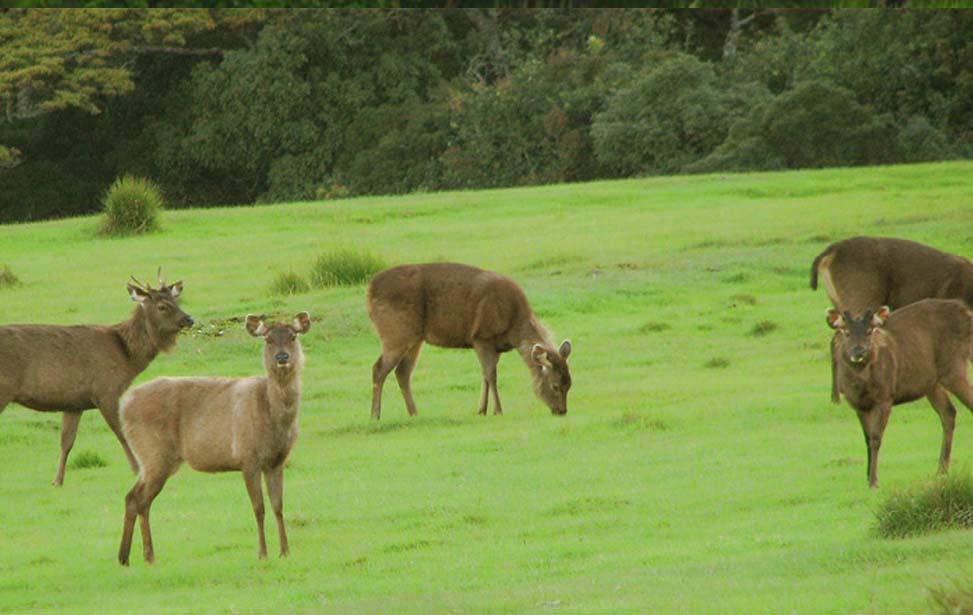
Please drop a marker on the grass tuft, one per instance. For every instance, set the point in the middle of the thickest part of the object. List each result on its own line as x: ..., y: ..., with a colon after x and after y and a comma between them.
x: 640, y: 422
x: 345, y: 268
x: 289, y: 283
x: 131, y: 206
x: 8, y: 279
x: 743, y: 298
x: 717, y: 363
x: 943, y: 503
x: 764, y: 327
x: 653, y: 327
x: 955, y: 598
x: 88, y: 459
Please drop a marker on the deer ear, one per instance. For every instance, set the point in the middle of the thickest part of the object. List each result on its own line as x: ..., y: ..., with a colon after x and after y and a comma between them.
x: 565, y: 349
x: 255, y: 325
x: 176, y: 289
x: 302, y: 322
x: 539, y: 354
x: 137, y: 294
x: 835, y: 321
x: 878, y: 319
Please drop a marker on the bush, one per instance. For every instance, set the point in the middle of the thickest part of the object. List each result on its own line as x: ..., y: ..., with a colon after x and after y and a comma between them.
x: 88, y: 459
x: 131, y: 205
x: 954, y: 599
x: 345, y: 268
x: 289, y: 283
x: 943, y: 503
x: 920, y: 141
x: 671, y: 117
x: 8, y: 279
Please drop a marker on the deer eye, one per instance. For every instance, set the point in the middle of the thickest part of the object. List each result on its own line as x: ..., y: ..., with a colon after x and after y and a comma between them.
x: 163, y: 307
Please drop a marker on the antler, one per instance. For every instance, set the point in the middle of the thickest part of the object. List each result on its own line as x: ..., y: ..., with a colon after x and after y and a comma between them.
x: 162, y: 283
x: 141, y: 284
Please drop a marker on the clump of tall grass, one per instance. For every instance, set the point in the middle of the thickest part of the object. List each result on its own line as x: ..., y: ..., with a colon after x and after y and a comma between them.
x: 131, y: 205
x: 289, y: 283
x: 8, y: 279
x: 953, y: 599
x: 345, y: 268
x: 88, y: 459
x: 764, y: 327
x: 943, y: 503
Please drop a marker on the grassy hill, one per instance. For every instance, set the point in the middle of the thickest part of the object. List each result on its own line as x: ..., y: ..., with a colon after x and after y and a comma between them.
x: 701, y: 467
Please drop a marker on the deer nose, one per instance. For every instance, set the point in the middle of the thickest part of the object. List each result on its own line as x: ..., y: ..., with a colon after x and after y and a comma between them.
x: 282, y: 357
x: 188, y: 321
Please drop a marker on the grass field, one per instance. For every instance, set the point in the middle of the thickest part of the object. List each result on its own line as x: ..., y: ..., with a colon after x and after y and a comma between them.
x: 701, y: 467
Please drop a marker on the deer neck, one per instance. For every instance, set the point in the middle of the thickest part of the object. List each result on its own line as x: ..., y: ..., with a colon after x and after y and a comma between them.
x: 140, y: 338
x: 284, y: 394
x: 533, y: 333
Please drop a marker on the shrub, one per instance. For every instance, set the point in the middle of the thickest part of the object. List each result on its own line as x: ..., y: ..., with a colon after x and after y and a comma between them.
x: 953, y: 599
x: 920, y: 141
x: 943, y: 503
x: 289, y: 283
x: 8, y: 279
x: 131, y: 205
x: 88, y: 459
x: 345, y: 268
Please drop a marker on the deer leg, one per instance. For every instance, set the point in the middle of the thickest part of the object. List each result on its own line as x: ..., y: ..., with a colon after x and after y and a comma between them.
x: 947, y: 414
x: 873, y: 423
x: 109, y: 410
x: 137, y: 504
x: 69, y: 429
x: 959, y: 385
x: 488, y: 362
x: 403, y: 373
x: 275, y: 489
x: 380, y: 371
x: 252, y: 479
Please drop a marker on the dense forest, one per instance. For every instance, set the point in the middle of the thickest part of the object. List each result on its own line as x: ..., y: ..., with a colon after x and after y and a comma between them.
x: 240, y: 106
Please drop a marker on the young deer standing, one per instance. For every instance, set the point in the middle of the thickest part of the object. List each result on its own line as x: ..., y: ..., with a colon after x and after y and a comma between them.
x: 888, y: 359
x: 71, y: 369
x: 218, y: 425
x: 458, y: 306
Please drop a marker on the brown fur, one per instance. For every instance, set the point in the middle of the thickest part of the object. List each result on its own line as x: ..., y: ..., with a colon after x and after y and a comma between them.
x: 218, y: 425
x: 869, y: 272
x: 865, y: 273
x: 71, y: 369
x: 920, y: 350
x: 459, y: 306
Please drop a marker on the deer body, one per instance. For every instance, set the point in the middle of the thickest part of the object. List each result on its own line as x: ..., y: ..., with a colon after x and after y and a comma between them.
x: 218, y: 425
x: 459, y: 306
x: 865, y: 273
x: 885, y: 359
x: 71, y: 369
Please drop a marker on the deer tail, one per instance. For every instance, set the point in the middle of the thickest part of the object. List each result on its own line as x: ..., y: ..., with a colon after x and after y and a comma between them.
x: 814, y: 266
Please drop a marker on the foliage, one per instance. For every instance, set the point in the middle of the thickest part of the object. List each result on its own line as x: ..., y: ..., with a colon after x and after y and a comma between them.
x: 345, y: 268
x: 674, y: 115
x: 955, y: 598
x: 8, y: 279
x: 289, y: 283
x: 943, y: 503
x: 131, y: 205
x: 920, y: 141
x: 87, y: 459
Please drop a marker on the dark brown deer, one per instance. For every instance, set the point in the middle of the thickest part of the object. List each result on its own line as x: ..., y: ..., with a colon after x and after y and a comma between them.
x: 459, y: 306
x: 218, y: 425
x: 71, y: 369
x: 865, y: 273
x: 886, y: 359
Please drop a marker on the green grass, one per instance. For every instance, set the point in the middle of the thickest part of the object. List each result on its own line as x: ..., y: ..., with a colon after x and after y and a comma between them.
x: 87, y: 459
x: 289, y: 283
x: 672, y: 485
x: 8, y: 278
x: 345, y: 268
x: 942, y: 503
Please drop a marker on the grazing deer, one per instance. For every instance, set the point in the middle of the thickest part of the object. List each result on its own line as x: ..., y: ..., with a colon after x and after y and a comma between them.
x: 218, y: 425
x: 459, y: 306
x: 71, y: 369
x: 865, y: 273
x: 888, y: 359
